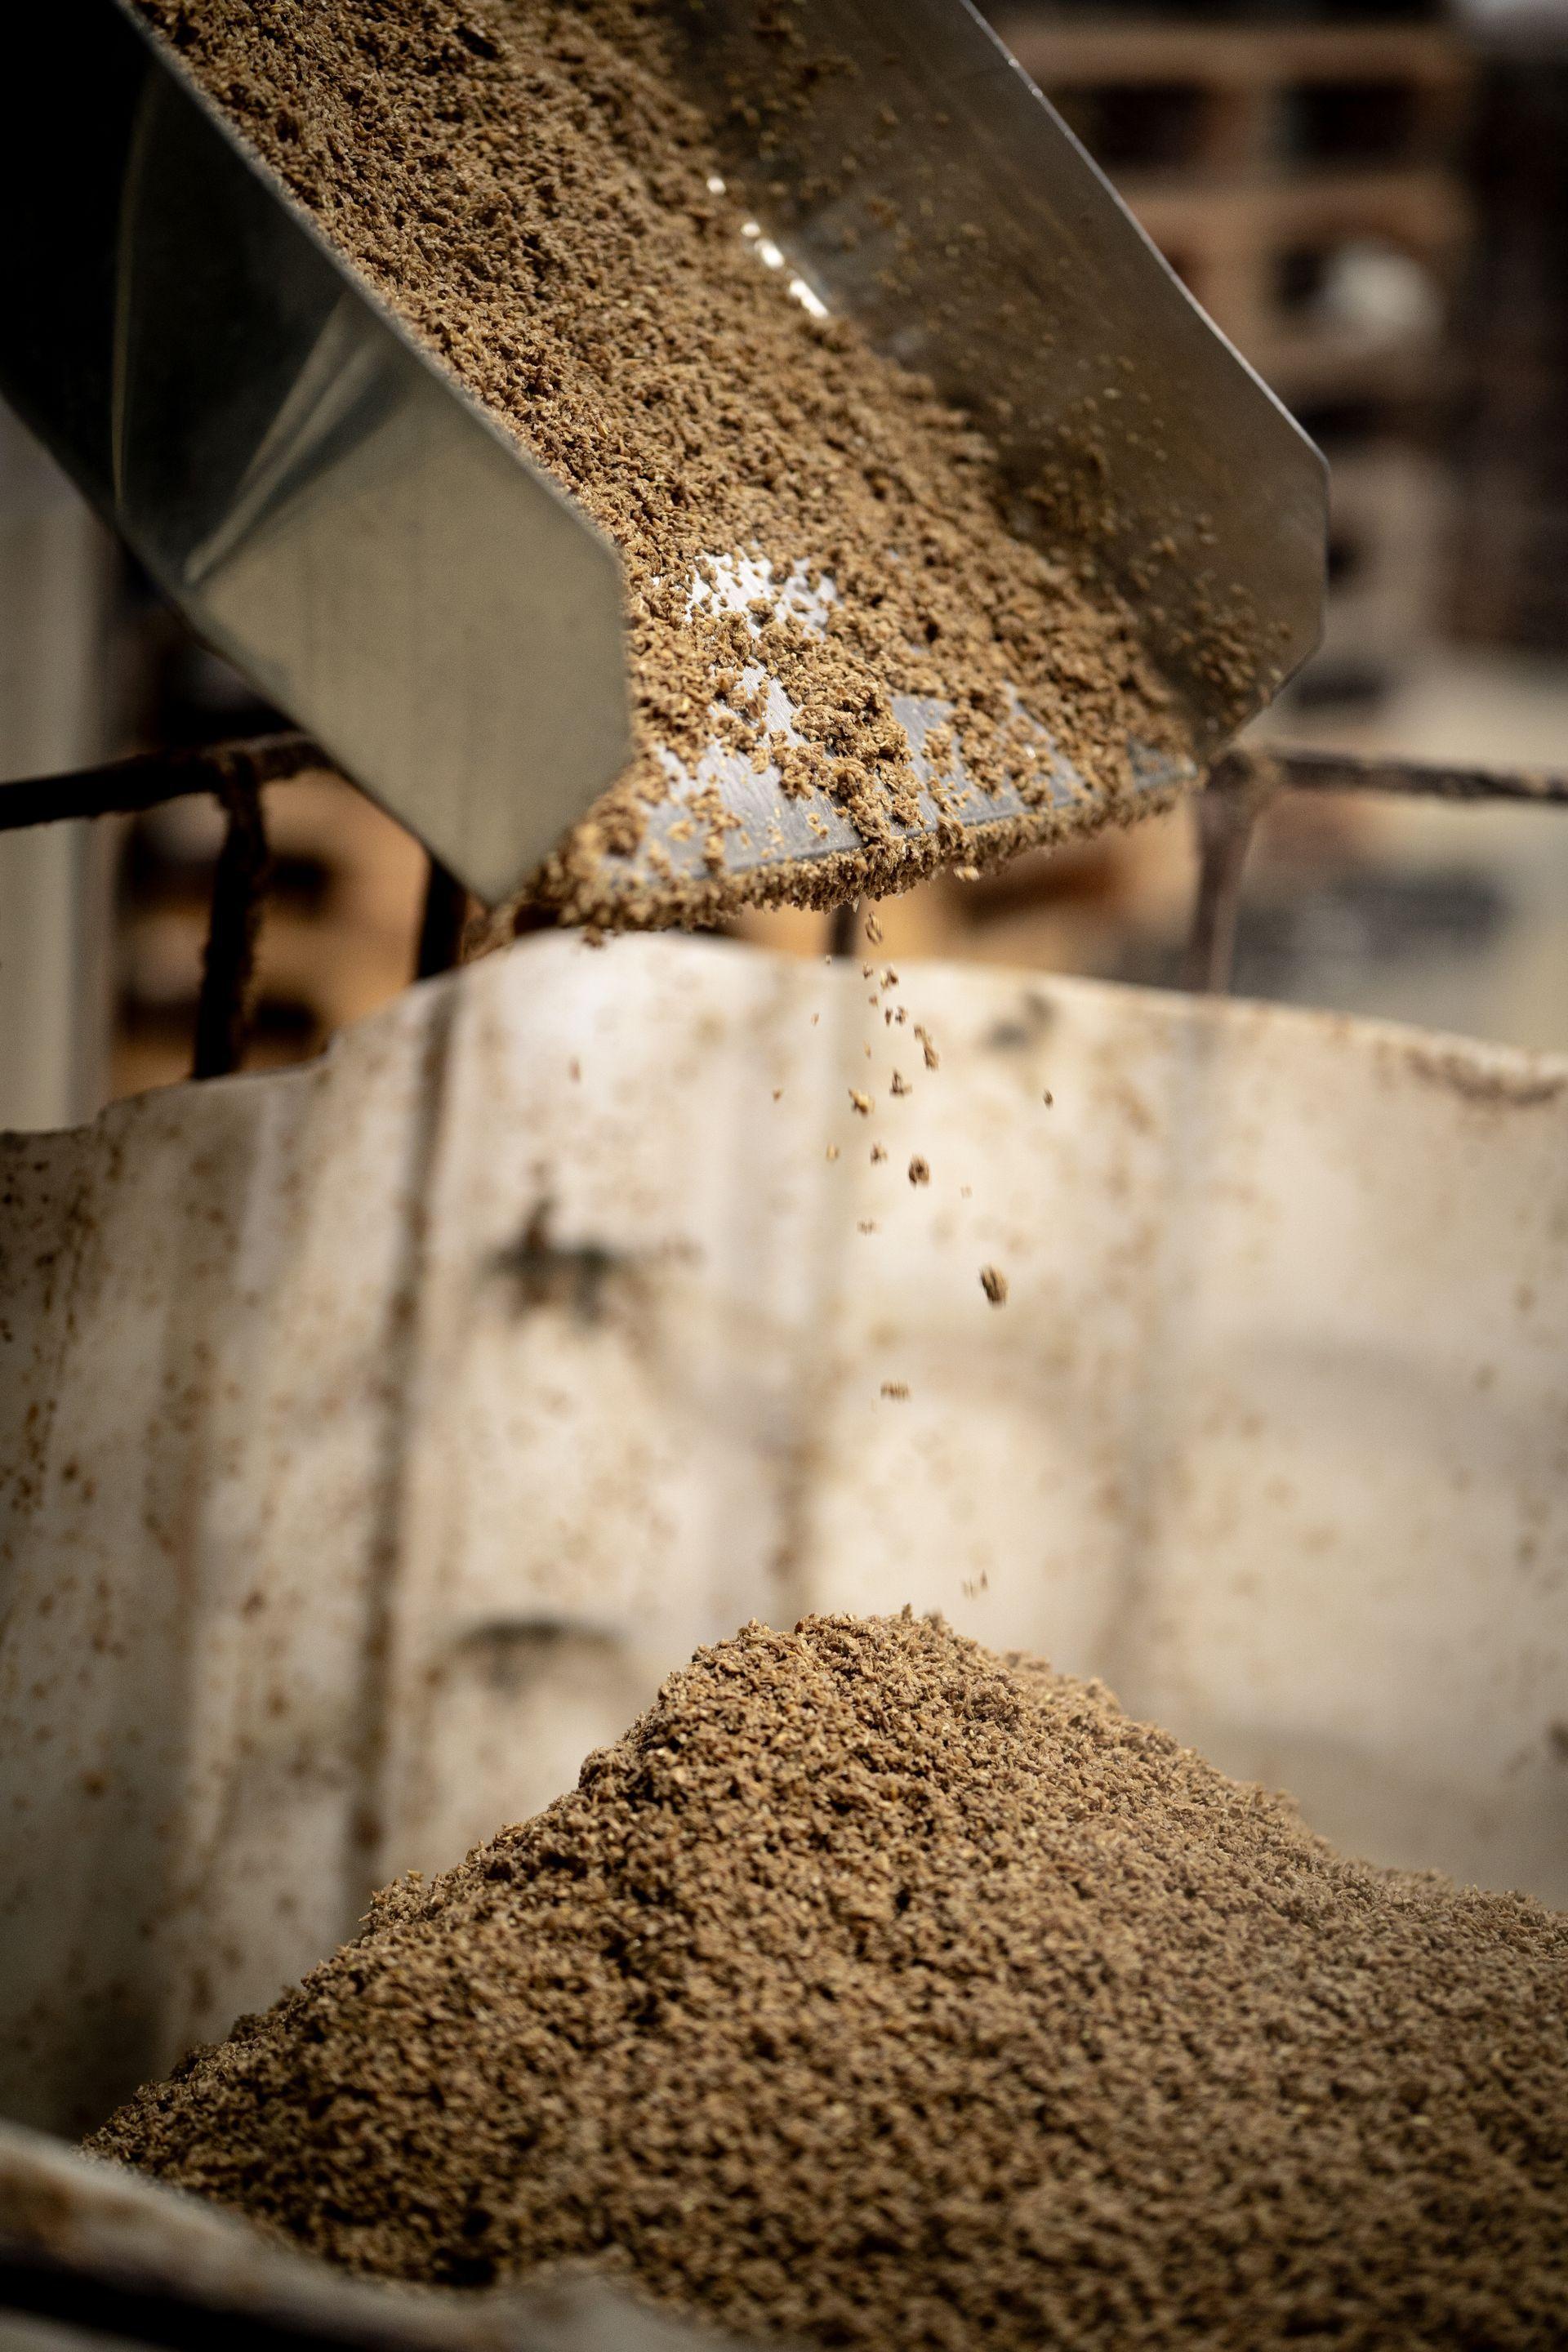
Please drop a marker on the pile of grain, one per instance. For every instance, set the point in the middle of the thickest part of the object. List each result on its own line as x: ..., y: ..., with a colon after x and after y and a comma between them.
x: 876, y: 1991
x: 524, y: 182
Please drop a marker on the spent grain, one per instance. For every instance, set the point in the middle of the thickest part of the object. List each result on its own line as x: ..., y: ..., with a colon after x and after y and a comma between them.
x: 876, y: 1991
x: 526, y: 185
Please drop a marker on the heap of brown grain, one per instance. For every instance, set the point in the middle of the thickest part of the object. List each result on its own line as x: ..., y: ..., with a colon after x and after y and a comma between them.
x: 876, y: 1991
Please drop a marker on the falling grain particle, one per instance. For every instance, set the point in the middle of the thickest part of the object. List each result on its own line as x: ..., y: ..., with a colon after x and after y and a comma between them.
x: 890, y: 977
x: 862, y: 1103
x: 1048, y: 1099
x: 867, y: 1225
x: 868, y: 971
x: 920, y: 1173
x: 879, y: 1151
x: 574, y: 1070
x: 900, y: 1084
x: 934, y: 1059
x: 833, y: 1152
x: 873, y: 930
x: 994, y: 1283
x: 778, y: 1094
x: 897, y: 1390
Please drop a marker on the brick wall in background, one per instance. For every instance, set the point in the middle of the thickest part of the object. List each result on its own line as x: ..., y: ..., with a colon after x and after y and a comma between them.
x: 1512, y: 588
x: 1304, y: 178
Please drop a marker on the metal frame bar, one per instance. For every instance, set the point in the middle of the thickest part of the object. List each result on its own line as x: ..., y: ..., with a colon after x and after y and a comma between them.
x: 1238, y: 788
x: 130, y: 787
x: 1310, y: 770
x: 228, y: 966
x: 442, y: 923
x: 233, y: 772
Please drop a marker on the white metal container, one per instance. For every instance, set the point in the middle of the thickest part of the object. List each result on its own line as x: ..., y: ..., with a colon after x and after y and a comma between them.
x: 377, y: 1434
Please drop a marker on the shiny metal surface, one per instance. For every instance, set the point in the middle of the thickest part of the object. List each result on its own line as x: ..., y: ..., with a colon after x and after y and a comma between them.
x: 915, y: 178
x: 332, y: 511
x: 772, y: 836
x: 310, y: 488
x: 923, y: 186
x: 773, y: 831
x: 769, y: 829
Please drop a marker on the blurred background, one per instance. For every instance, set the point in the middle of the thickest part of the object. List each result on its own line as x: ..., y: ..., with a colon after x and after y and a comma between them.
x: 1372, y: 201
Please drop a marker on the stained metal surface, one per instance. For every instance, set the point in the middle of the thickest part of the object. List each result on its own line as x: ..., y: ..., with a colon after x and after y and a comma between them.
x: 329, y: 509
x: 375, y: 1435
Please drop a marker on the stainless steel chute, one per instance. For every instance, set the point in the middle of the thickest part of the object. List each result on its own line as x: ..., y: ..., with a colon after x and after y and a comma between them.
x: 326, y: 506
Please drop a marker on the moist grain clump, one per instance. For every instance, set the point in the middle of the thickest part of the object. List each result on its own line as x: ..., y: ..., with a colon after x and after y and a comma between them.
x: 874, y: 1990
x: 526, y: 184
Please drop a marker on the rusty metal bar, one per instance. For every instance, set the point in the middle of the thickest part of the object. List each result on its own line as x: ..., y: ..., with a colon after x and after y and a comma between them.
x: 1226, y: 813
x: 442, y: 923
x: 1226, y: 810
x: 1305, y: 769
x: 1239, y: 787
x: 844, y: 930
x: 240, y: 885
x: 128, y: 787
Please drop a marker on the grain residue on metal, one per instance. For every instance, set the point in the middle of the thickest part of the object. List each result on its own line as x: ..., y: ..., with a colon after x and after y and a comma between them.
x: 527, y: 185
